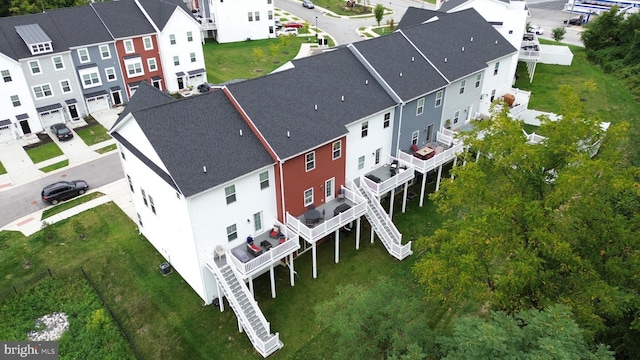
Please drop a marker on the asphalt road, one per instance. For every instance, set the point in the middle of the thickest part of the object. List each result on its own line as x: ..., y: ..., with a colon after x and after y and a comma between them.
x: 549, y: 15
x: 25, y: 199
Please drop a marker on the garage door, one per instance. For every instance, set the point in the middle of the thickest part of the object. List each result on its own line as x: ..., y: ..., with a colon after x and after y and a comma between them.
x: 98, y: 103
x: 51, y: 117
x: 6, y: 134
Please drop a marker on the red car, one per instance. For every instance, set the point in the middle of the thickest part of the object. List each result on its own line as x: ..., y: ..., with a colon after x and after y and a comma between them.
x: 293, y: 24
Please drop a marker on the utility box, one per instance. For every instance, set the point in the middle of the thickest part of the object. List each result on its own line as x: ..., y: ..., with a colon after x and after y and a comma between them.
x: 165, y: 269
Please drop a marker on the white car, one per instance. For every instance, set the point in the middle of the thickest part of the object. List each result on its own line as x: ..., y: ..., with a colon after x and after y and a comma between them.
x: 287, y: 31
x: 536, y: 29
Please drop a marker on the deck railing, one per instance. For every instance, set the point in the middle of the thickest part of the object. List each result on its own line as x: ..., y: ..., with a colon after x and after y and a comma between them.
x: 401, y: 178
x: 269, y: 257
x: 423, y: 166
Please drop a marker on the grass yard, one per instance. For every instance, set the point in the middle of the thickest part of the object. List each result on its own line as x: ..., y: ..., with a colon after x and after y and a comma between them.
x: 249, y: 59
x: 93, y: 134
x: 50, y: 211
x: 107, y: 148
x: 2, y: 169
x: 44, y: 152
x: 56, y: 166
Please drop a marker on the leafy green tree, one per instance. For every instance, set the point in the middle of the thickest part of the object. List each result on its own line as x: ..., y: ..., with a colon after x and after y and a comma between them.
x: 535, y: 225
x: 529, y: 334
x: 22, y: 7
x: 379, y: 12
x: 386, y: 320
x: 558, y: 33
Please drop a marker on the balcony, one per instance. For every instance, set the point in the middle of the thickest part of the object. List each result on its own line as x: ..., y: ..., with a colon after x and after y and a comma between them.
x: 446, y: 149
x: 388, y: 176
x: 529, y: 48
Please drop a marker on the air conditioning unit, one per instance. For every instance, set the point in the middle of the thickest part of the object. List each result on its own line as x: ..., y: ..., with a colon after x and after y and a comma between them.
x: 165, y: 268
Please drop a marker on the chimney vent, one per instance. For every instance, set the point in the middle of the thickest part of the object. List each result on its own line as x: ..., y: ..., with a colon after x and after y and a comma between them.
x: 445, y: 60
x: 240, y: 132
x: 288, y: 134
x: 204, y: 169
x: 413, y: 59
x: 315, y: 107
x: 342, y: 98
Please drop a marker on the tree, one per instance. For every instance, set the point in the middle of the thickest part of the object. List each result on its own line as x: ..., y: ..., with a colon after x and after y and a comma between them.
x: 529, y: 334
x: 536, y: 225
x: 558, y: 33
x: 379, y: 12
x: 23, y: 7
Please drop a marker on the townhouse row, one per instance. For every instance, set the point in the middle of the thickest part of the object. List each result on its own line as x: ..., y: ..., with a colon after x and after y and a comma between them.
x: 61, y: 65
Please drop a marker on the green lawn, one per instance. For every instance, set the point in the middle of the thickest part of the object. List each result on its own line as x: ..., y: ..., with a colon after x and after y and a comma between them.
x: 2, y: 169
x: 44, y: 152
x: 49, y: 212
x: 107, y: 148
x: 93, y: 134
x: 56, y: 166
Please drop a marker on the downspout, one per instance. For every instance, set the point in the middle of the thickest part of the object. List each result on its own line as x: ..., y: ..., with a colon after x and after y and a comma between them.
x: 402, y: 103
x: 284, y: 214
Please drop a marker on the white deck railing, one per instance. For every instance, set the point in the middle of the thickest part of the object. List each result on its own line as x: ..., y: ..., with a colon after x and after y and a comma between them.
x: 423, y: 166
x: 401, y: 178
x: 267, y: 258
x: 445, y: 136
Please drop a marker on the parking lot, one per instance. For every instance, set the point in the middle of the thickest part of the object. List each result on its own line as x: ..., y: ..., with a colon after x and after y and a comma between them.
x: 549, y: 15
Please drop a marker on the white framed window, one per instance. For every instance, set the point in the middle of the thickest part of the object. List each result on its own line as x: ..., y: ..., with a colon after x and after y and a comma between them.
x: 439, y: 98
x: 110, y: 74
x: 310, y: 161
x: 361, y: 162
x: 139, y: 220
x: 42, y: 91
x: 387, y: 120
x: 257, y: 15
x: 270, y: 15
x: 414, y: 137
x: 151, y: 64
x: 172, y: 39
x: 364, y: 129
x: 148, y: 44
x: 83, y: 55
x: 40, y: 48
x: 478, y: 80
x: 250, y: 16
x: 456, y: 116
x: 496, y: 68
x: 65, y: 86
x: 6, y: 76
x: 90, y: 78
x: 144, y: 197
x: 257, y: 221
x: 420, y: 107
x: 176, y: 60
x: 15, y: 100
x: 192, y: 56
x: 232, y: 232
x: 35, y: 67
x: 269, y: 2
x: 128, y: 46
x: 493, y: 95
x: 130, y: 183
x: 463, y: 83
x: 336, y: 149
x: 58, y: 64
x: 152, y: 204
x: 377, y: 156
x: 189, y: 36
x: 105, y: 52
x: 264, y: 180
x: 134, y: 67
x: 230, y: 194
x: 308, y: 197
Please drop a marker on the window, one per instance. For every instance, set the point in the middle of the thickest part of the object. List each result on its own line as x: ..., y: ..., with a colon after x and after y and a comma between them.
x: 83, y: 55
x: 264, y: 180
x: 105, y: 53
x: 232, y: 232
x: 189, y: 36
x: 510, y: 32
x: 193, y: 57
x: 57, y: 63
x: 172, y: 39
x: 270, y: 29
x: 153, y: 206
x: 110, y: 73
x: 387, y: 120
x: 429, y: 132
x: 15, y: 100
x: 269, y: 2
x: 176, y: 60
x: 361, y: 162
x: 493, y: 94
x: 439, y: 98
x: 124, y: 157
x: 134, y: 68
x: 250, y: 16
x: 139, y: 219
x: 42, y: 91
x: 151, y: 64
x: 144, y: 197
x: 230, y: 194
x: 364, y: 131
x: 308, y: 197
x: 377, y: 156
x: 178, y: 195
x: 35, y: 67
x: 65, y: 86
x: 414, y: 137
x: 39, y: 48
x: 310, y: 161
x: 6, y: 76
x: 337, y: 149
x: 456, y: 116
x: 130, y: 182
x: 420, y: 108
x: 257, y: 15
x: 270, y: 15
x: 463, y: 83
x: 128, y: 46
x: 496, y: 68
x: 257, y: 221
x: 91, y: 79
x: 478, y: 79
x: 148, y: 45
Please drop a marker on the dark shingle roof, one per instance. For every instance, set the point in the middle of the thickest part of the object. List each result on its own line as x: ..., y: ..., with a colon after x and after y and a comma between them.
x: 285, y: 101
x: 443, y: 41
x: 414, y: 16
x: 393, y: 55
x: 450, y: 4
x: 160, y: 11
x: 123, y: 18
x: 146, y: 96
x: 80, y: 26
x: 201, y: 131
x: 12, y: 45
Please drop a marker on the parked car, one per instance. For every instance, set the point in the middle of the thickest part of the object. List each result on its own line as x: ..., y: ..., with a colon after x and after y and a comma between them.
x: 278, y: 25
x: 61, y: 131
x: 63, y: 190
x: 287, y: 31
x: 205, y: 87
x: 293, y: 24
x: 575, y: 21
x: 536, y: 29
x: 308, y: 4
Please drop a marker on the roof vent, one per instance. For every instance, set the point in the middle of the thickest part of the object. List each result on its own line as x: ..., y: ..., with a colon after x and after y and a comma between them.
x: 400, y: 74
x: 366, y: 82
x: 204, y: 169
x: 315, y: 107
x: 413, y: 59
x: 240, y: 132
x: 496, y: 42
x: 342, y: 98
x: 463, y: 49
x: 288, y: 134
x: 472, y: 39
x: 445, y: 59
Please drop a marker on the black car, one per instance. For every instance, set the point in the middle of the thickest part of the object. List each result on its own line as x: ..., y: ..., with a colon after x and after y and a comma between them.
x: 575, y: 21
x: 63, y: 190
x: 61, y: 131
x: 278, y: 25
x: 203, y: 88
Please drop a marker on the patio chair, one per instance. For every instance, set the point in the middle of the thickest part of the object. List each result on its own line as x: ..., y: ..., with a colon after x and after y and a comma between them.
x: 219, y: 251
x: 310, y: 223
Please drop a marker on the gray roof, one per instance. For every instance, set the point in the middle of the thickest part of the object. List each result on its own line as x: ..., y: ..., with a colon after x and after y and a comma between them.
x: 123, y: 18
x: 146, y: 96
x: 80, y: 26
x: 414, y: 16
x: 160, y: 11
x: 401, y: 66
x: 200, y: 131
x: 32, y: 34
x: 284, y: 102
x: 450, y: 4
x: 460, y: 43
x: 12, y: 45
